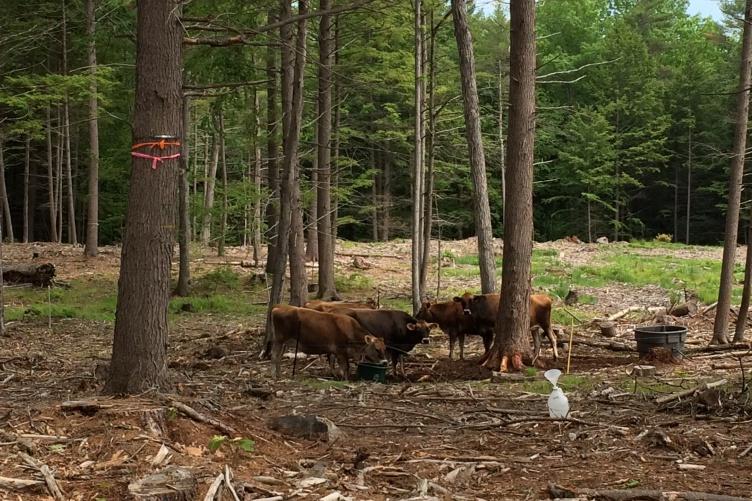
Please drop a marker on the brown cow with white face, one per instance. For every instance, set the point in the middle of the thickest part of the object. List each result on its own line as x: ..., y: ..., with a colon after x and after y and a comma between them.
x: 484, y: 310
x: 320, y: 333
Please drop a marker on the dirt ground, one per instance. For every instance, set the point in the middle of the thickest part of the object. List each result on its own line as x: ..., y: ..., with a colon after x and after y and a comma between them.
x: 447, y: 431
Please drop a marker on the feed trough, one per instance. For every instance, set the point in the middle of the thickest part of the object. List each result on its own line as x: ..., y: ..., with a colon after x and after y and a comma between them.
x: 372, y: 372
x: 670, y: 337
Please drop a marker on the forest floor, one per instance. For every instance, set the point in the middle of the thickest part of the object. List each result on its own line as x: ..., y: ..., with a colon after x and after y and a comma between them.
x: 447, y: 431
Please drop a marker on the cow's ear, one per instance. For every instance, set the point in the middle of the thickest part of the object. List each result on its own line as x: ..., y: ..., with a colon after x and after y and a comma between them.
x: 411, y: 326
x: 457, y: 299
x: 370, y: 339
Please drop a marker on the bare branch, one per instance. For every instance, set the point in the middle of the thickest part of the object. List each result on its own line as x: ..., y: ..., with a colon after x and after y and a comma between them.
x: 575, y: 70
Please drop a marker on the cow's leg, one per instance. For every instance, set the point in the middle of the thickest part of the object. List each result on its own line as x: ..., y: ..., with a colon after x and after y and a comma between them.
x: 330, y: 360
x: 536, y: 343
x: 452, y: 340
x: 462, y: 345
x: 277, y: 349
x: 552, y: 337
x: 487, y: 340
x: 344, y: 364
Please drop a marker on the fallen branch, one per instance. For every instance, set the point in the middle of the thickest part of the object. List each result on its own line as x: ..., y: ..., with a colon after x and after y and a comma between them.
x: 197, y: 416
x: 624, y: 312
x: 558, y: 491
x: 687, y: 393
x: 719, y: 347
x: 708, y: 308
x: 211, y: 494
x: 609, y: 345
x: 49, y: 478
x: 18, y: 484
x: 620, y: 429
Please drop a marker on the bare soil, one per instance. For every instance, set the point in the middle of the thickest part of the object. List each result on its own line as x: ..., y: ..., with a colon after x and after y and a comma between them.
x: 447, y: 431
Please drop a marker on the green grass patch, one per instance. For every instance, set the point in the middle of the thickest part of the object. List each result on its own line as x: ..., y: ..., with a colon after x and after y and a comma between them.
x: 403, y: 304
x: 85, y: 299
x: 220, y: 279
x: 353, y: 282
x: 323, y: 384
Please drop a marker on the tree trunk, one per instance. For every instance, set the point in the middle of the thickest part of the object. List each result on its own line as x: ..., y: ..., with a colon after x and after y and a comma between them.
x: 183, y: 288
x: 720, y: 329
x: 272, y: 166
x: 689, y: 184
x: 72, y: 238
x: 375, y: 195
x: 481, y: 208
x: 223, y: 220
x: 256, y: 179
x: 292, y: 113
x: 741, y: 320
x: 139, y: 352
x: 335, y: 144
x: 502, y: 152
x: 417, y: 194
x: 92, y: 223
x: 209, y: 182
x: 326, y: 223
x: 513, y: 322
x: 312, y: 235
x: 386, y: 189
x: 430, y: 142
x: 59, y: 188
x: 617, y: 166
x: 298, y: 282
x: 7, y: 220
x: 51, y: 180
x: 27, y: 153
x: 2, y: 284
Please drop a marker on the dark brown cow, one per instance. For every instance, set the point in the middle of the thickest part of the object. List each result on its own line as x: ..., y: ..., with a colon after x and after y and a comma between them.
x: 335, y: 306
x: 451, y: 320
x: 484, y: 308
x: 400, y: 331
x: 321, y: 333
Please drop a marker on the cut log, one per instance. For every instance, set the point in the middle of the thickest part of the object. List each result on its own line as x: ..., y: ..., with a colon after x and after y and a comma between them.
x: 625, y: 312
x: 608, y: 329
x: 684, y: 309
x: 171, y: 484
x: 558, y: 491
x: 40, y: 275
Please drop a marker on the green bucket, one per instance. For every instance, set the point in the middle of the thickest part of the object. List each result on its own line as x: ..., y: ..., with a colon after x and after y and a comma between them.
x: 372, y: 372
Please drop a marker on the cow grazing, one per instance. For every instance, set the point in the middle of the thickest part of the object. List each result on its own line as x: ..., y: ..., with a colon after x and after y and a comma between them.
x: 321, y: 333
x: 400, y: 331
x: 451, y: 320
x: 335, y: 306
x: 484, y: 309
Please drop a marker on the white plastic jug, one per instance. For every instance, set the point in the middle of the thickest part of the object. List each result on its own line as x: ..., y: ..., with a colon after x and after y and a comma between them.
x: 558, y: 404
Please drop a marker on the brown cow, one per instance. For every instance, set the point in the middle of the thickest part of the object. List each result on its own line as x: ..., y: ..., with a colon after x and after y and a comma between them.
x: 335, y: 306
x: 484, y: 309
x: 451, y: 320
x: 321, y: 333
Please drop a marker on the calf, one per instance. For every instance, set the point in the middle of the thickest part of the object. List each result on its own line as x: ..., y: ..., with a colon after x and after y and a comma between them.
x: 321, y: 333
x: 335, y: 306
x: 451, y: 320
x: 400, y: 331
x: 484, y: 310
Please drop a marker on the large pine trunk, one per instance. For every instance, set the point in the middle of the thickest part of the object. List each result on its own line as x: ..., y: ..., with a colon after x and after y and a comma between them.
x: 92, y: 222
x: 513, y: 323
x: 720, y: 329
x: 27, y: 153
x: 481, y: 207
x: 417, y: 178
x: 272, y: 150
x: 256, y: 180
x: 72, y: 236
x: 327, y: 289
x: 139, y: 353
x: 7, y: 221
x: 312, y: 237
x: 52, y: 210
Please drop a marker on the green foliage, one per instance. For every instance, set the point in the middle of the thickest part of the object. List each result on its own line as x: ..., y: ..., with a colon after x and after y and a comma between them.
x: 354, y: 282
x: 238, y: 443
x: 664, y: 237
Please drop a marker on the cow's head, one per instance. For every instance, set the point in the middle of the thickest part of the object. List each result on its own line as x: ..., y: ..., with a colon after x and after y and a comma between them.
x: 422, y: 329
x: 425, y: 311
x: 375, y: 349
x: 465, y: 301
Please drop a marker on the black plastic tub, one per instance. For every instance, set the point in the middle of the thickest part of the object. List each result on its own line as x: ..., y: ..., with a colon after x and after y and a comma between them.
x: 371, y: 372
x: 670, y: 337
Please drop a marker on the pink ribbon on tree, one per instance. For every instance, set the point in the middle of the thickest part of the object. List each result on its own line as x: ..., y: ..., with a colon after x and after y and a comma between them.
x: 154, y: 159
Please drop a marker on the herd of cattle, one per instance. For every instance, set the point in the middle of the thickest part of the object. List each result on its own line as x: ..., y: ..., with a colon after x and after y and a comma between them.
x: 359, y: 331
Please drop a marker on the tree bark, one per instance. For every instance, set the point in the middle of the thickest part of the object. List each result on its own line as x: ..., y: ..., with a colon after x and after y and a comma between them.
x: 209, y: 183
x: 272, y: 166
x: 720, y: 328
x: 312, y: 234
x: 386, y: 189
x: 2, y: 284
x: 689, y: 184
x: 92, y: 222
x: 51, y: 180
x: 256, y: 179
x: 7, y: 220
x: 223, y: 220
x: 335, y: 142
x: 60, y: 171
x: 481, y: 207
x: 741, y: 320
x: 183, y: 288
x: 513, y: 322
x: 430, y: 141
x: 72, y: 237
x: 502, y: 152
x: 298, y: 282
x: 27, y: 153
x: 327, y: 46
x: 139, y: 353
x: 292, y: 108
x: 417, y: 188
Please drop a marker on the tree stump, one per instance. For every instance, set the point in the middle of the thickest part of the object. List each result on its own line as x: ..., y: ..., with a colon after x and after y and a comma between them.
x: 40, y: 275
x: 171, y: 484
x: 608, y: 329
